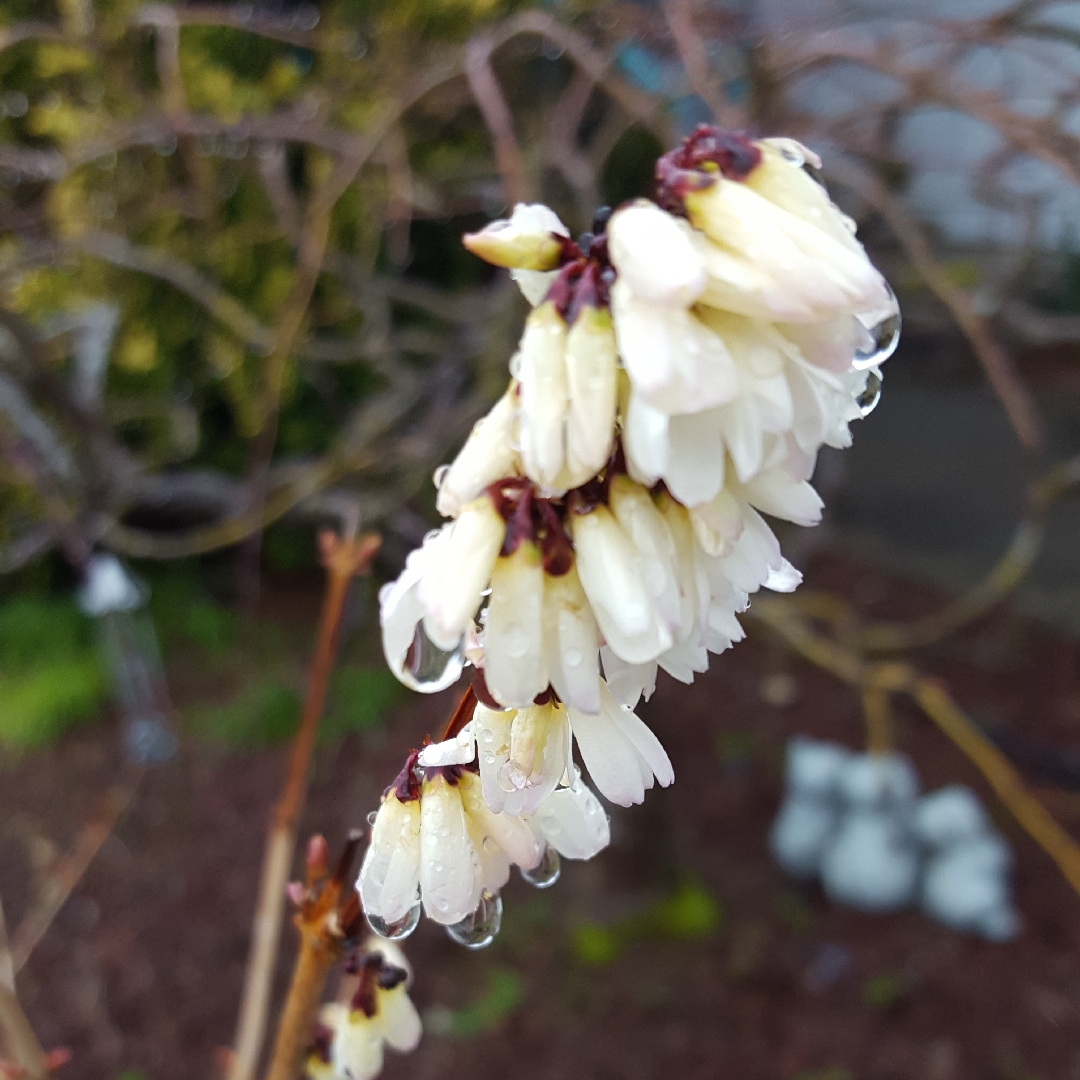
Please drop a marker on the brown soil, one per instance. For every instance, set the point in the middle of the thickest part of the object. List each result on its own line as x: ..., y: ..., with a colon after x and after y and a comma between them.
x: 142, y: 969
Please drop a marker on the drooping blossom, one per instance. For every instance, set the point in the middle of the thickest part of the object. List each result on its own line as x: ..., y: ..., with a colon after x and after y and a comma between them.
x: 376, y: 1013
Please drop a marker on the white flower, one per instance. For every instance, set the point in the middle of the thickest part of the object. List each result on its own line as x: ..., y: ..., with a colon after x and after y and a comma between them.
x: 378, y: 1013
x: 438, y: 836
x: 529, y: 240
x: 525, y: 754
x: 572, y: 821
x: 567, y: 391
x: 488, y: 455
x: 464, y: 554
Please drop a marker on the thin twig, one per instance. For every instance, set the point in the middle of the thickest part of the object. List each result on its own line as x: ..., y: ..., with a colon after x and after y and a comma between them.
x: 497, y: 117
x: 679, y: 15
x: 7, y: 961
x: 68, y: 870
x: 343, y: 559
x: 934, y: 699
x: 1018, y: 402
x: 19, y: 1036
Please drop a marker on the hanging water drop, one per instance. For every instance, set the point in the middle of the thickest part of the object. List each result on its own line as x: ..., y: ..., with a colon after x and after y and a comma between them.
x: 479, y: 930
x: 427, y: 667
x: 882, y: 341
x: 395, y: 931
x: 546, y: 872
x: 439, y: 476
x: 372, y: 816
x: 871, y: 395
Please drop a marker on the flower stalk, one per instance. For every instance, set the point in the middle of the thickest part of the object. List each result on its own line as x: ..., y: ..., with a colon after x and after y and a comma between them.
x: 343, y: 558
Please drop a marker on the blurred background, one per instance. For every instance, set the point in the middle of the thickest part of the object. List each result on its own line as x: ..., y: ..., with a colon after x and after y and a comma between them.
x: 234, y: 309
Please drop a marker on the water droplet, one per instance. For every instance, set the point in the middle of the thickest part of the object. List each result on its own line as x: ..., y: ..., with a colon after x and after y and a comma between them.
x: 871, y: 395
x: 439, y: 475
x: 790, y: 152
x: 437, y: 867
x: 515, y: 366
x: 881, y: 343
x: 511, y: 778
x: 487, y: 736
x: 489, y: 758
x: 479, y: 930
x: 372, y: 816
x: 429, y: 668
x: 849, y: 223
x: 573, y: 657
x: 546, y: 872
x: 490, y: 846
x: 395, y: 931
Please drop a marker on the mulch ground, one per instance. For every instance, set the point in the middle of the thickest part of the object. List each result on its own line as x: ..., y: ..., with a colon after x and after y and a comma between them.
x: 142, y: 969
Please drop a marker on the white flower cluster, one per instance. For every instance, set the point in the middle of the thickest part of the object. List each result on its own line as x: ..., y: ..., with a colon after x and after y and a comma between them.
x: 681, y: 367
x: 376, y: 1012
x: 856, y: 821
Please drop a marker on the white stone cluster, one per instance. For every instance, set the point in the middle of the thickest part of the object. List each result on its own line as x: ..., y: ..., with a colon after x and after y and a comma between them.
x: 857, y: 823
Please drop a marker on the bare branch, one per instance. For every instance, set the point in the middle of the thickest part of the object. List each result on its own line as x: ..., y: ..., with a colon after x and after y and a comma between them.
x: 1019, y: 405
x: 497, y: 117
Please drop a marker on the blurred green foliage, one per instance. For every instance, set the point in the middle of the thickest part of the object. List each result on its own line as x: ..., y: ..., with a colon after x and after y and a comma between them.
x: 504, y: 995
x: 51, y: 674
x: 691, y: 913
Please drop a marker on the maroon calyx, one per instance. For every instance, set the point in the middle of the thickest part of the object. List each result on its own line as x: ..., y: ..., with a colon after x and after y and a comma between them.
x: 376, y: 973
x: 538, y: 520
x: 596, y: 492
x: 322, y: 1039
x: 406, y: 785
x: 684, y: 170
x: 586, y: 280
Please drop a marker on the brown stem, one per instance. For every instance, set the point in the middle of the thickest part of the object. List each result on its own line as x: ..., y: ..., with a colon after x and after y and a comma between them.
x: 342, y: 559
x: 22, y: 1044
x: 317, y: 956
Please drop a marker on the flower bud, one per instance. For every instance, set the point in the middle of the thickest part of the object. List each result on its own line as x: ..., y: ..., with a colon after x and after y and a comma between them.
x: 529, y: 240
x: 488, y: 455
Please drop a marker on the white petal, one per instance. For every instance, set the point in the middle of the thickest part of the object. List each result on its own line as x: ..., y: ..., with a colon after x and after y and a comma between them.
x: 400, y: 611
x: 399, y: 1020
x: 571, y: 642
x: 785, y: 580
x: 639, y: 519
x: 534, y: 284
x: 513, y: 638
x: 774, y: 492
x: 453, y: 583
x: 493, y: 742
x: 654, y: 255
x: 511, y: 834
x: 610, y: 758
x: 673, y: 359
x: 628, y: 682
x: 390, y: 872
x: 544, y: 394
x: 718, y: 523
x: 573, y: 822
x: 591, y: 369
x: 488, y: 455
x: 695, y: 469
x: 449, y: 869
x: 612, y: 578
x: 645, y: 441
x: 640, y: 736
x: 357, y: 1049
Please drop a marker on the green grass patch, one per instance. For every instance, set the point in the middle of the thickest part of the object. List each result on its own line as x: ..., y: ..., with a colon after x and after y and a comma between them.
x: 51, y: 673
x: 504, y: 995
x: 691, y: 913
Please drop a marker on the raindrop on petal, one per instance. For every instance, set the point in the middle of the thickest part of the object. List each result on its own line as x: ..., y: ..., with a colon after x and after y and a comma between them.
x: 372, y: 816
x: 429, y: 667
x: 479, y: 930
x: 439, y: 476
x: 546, y: 872
x: 871, y: 395
x: 883, y: 338
x: 395, y: 931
